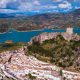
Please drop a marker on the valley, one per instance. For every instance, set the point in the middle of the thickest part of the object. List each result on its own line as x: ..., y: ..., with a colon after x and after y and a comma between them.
x: 41, y: 21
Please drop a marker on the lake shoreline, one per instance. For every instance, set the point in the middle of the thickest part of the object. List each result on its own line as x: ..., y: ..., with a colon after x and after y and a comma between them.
x: 35, y: 30
x: 26, y: 36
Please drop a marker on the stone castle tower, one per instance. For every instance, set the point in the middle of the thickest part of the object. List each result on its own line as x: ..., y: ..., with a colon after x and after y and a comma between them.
x: 69, y: 30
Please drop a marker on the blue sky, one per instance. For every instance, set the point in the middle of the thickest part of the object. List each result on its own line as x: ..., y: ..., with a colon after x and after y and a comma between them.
x: 14, y: 6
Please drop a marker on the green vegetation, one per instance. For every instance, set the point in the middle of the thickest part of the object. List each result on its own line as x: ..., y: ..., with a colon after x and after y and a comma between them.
x: 57, y: 51
x: 31, y: 77
x: 61, y: 73
x: 11, y: 46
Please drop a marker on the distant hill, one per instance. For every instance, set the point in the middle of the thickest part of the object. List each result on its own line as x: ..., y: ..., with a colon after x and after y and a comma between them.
x: 16, y: 15
x: 76, y: 12
x: 4, y: 15
x: 31, y: 21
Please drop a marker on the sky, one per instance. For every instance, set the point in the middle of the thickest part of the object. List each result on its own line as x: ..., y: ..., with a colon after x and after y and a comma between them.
x: 39, y: 6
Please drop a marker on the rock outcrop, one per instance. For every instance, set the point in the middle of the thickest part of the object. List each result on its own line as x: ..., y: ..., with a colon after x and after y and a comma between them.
x: 46, y: 36
x: 16, y: 65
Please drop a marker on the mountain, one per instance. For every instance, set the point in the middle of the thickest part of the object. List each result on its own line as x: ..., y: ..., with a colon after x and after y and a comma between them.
x: 4, y: 15
x: 18, y: 14
x: 76, y: 12
x: 30, y: 21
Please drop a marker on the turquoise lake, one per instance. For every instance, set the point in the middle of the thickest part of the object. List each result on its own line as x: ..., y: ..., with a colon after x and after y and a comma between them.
x: 26, y: 36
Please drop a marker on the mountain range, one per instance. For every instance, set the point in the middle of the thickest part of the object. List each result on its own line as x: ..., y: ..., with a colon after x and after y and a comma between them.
x: 34, y: 21
x: 14, y: 15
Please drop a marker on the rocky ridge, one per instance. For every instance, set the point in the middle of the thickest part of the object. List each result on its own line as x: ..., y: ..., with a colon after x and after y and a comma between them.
x: 46, y: 36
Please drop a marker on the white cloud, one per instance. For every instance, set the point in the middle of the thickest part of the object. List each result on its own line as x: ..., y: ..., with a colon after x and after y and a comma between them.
x: 36, y: 2
x: 25, y: 6
x: 77, y: 7
x: 3, y: 3
x: 57, y: 0
x: 8, y: 11
x: 37, y: 11
x: 34, y: 5
x: 65, y: 4
x: 49, y: 7
x: 29, y: 6
x: 55, y: 10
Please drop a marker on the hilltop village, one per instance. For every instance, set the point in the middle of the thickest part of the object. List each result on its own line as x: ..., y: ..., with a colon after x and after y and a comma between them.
x: 48, y: 56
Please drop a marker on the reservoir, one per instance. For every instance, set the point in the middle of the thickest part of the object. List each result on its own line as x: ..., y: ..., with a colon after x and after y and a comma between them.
x: 16, y: 36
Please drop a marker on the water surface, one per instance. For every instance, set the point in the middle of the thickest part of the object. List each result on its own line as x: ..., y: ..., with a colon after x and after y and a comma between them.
x: 26, y: 36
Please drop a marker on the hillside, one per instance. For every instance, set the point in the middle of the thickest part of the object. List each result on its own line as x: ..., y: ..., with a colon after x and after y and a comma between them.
x: 48, y: 56
x: 39, y: 21
x: 57, y: 49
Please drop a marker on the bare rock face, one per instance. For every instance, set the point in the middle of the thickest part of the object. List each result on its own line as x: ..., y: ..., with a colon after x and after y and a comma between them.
x: 46, y: 36
x: 4, y: 57
x: 18, y: 66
